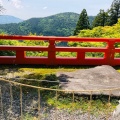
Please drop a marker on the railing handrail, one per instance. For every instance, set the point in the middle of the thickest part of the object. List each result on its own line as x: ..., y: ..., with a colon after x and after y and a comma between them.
x: 20, y: 37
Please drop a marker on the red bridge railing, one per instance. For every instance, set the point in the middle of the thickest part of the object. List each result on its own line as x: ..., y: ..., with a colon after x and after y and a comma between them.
x: 108, y: 58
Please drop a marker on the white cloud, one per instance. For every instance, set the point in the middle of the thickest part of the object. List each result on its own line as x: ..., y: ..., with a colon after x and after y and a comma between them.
x: 17, y: 3
x: 44, y: 7
x: 1, y: 2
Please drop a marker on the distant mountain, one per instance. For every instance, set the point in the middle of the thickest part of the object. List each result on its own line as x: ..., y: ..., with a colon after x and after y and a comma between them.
x: 62, y: 24
x: 6, y: 19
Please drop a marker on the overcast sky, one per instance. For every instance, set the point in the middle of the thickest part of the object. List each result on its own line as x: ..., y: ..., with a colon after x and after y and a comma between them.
x: 26, y: 9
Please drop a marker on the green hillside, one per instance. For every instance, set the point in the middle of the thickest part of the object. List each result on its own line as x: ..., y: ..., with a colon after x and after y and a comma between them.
x: 62, y: 24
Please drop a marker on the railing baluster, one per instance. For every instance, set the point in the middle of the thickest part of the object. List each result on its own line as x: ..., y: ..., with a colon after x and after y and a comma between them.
x: 73, y: 100
x: 56, y: 105
x: 1, y: 103
x: 11, y: 98
x: 89, y: 107
x: 39, y: 116
x: 109, y: 106
x: 21, y: 107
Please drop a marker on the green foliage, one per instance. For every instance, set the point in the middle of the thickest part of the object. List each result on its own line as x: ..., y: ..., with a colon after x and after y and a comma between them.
x: 51, y: 77
x: 29, y: 117
x: 108, y: 18
x: 103, y: 32
x: 39, y: 76
x: 83, y: 22
x: 86, y: 44
x: 100, y: 32
x: 98, y: 105
x: 66, y: 54
x: 35, y: 43
x: 89, y: 44
x: 114, y: 12
x: 62, y: 24
x: 8, y: 42
x: 100, y: 19
x: 24, y: 43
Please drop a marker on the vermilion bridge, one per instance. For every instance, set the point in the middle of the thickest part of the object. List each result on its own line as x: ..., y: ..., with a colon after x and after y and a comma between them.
x: 108, y: 51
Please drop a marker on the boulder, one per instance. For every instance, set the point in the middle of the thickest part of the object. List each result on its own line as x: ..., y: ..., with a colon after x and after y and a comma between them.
x: 96, y: 81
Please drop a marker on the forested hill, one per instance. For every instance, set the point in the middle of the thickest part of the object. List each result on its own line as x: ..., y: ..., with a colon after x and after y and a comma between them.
x: 62, y: 24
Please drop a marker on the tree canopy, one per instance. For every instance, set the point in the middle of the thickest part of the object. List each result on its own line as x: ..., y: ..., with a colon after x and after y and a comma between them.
x: 83, y: 22
x: 104, y: 32
x: 114, y: 12
x: 101, y: 19
x: 62, y: 24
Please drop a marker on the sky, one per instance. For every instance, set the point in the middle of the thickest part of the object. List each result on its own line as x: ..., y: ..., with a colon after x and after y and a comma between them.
x: 26, y: 9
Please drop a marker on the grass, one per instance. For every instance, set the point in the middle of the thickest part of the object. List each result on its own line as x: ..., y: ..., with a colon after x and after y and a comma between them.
x: 83, y: 103
x: 29, y: 117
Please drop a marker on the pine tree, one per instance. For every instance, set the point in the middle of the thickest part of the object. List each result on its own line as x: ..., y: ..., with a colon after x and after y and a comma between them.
x: 83, y: 22
x: 100, y: 19
x: 114, y: 12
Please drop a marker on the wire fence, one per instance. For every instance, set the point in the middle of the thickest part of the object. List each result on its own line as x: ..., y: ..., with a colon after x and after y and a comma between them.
x: 20, y: 101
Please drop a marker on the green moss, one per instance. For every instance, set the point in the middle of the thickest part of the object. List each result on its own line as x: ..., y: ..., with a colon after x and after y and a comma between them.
x: 95, y: 107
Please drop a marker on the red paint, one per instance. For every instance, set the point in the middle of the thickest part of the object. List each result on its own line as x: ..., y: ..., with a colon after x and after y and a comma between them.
x: 51, y: 59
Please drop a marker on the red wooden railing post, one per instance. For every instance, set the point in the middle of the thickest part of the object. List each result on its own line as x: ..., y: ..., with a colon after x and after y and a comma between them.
x: 111, y: 53
x: 106, y: 54
x: 80, y: 57
x: 20, y: 56
x: 51, y: 52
